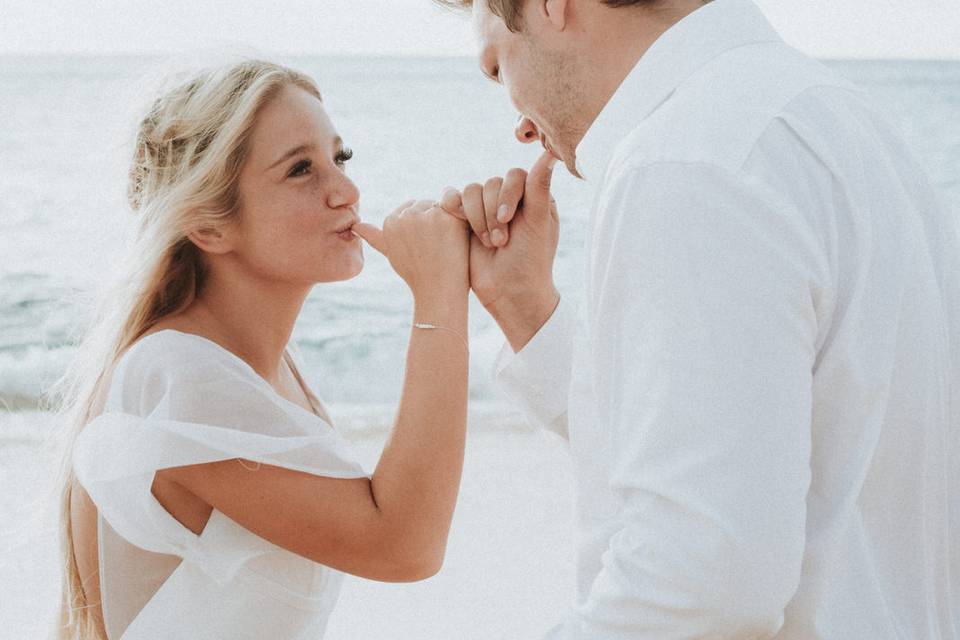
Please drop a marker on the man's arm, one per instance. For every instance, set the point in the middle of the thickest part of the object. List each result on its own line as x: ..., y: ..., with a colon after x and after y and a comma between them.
x: 514, y: 281
x: 704, y: 292
x: 537, y: 377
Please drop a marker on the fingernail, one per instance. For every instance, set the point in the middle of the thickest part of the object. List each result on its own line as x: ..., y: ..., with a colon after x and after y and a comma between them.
x: 502, y: 213
x: 497, y: 237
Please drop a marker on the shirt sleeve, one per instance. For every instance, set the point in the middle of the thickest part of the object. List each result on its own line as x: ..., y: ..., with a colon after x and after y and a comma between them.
x: 703, y: 345
x: 169, y: 407
x: 537, y: 378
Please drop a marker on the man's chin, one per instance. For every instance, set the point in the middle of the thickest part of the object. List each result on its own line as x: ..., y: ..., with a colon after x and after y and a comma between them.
x: 571, y: 166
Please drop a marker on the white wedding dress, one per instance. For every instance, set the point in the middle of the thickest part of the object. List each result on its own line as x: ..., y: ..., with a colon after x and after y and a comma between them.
x: 177, y: 399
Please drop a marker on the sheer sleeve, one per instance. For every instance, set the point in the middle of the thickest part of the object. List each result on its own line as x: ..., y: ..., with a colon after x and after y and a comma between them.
x: 176, y: 401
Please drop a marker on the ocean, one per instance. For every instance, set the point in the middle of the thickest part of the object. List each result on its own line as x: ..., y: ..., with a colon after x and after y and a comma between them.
x: 416, y: 125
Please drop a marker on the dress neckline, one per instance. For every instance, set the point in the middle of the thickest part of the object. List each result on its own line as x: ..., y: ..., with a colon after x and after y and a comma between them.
x: 287, y: 356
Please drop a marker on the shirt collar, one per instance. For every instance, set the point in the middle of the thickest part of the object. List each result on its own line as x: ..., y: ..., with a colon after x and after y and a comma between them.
x: 689, y: 44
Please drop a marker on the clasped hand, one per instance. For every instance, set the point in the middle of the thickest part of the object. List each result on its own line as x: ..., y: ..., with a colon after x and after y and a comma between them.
x: 498, y: 238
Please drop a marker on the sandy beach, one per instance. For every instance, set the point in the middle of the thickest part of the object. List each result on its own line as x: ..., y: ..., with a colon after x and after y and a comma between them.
x: 509, y: 568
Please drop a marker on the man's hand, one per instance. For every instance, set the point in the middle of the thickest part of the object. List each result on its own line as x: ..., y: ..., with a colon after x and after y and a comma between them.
x: 515, y: 235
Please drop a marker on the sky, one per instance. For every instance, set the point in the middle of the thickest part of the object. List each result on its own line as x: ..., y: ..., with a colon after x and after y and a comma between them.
x: 824, y: 28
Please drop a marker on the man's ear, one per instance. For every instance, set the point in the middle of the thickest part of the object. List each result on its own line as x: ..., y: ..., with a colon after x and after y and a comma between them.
x: 212, y: 239
x: 555, y: 12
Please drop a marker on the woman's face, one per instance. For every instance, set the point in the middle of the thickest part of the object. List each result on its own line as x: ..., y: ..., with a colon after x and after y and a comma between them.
x: 295, y: 196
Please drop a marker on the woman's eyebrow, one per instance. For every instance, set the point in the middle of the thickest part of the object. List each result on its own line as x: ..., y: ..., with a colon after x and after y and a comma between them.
x: 291, y: 153
x: 337, y: 143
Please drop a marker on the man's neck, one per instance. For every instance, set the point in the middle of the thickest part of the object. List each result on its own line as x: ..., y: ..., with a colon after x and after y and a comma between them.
x: 622, y: 36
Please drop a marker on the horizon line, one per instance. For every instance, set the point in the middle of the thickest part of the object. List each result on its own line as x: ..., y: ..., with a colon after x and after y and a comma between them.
x: 370, y: 55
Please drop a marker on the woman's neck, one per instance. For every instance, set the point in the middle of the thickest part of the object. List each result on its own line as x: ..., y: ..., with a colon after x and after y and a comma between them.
x: 250, y: 317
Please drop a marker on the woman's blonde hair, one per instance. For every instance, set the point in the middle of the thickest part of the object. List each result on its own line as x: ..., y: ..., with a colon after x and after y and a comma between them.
x: 189, y: 150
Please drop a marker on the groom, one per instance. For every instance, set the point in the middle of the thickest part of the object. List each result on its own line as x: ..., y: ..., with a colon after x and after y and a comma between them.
x: 760, y: 389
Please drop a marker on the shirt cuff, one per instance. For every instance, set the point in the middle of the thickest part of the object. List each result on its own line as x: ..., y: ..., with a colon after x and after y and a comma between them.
x: 537, y: 378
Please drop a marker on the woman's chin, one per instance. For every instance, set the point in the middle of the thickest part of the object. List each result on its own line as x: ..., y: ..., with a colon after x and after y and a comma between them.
x: 349, y: 272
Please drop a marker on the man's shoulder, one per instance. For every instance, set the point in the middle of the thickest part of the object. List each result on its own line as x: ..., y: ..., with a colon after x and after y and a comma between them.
x: 718, y: 114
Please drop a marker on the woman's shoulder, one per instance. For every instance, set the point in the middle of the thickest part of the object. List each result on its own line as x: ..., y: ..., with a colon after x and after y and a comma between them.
x: 156, y: 341
x: 178, y: 340
x: 158, y: 360
x: 168, y: 349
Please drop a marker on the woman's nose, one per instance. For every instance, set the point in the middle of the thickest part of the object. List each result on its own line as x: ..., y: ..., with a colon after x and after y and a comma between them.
x: 526, y: 131
x: 343, y: 193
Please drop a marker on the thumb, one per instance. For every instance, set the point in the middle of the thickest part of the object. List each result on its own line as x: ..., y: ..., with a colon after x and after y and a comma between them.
x: 452, y: 202
x: 372, y: 234
x: 536, y: 195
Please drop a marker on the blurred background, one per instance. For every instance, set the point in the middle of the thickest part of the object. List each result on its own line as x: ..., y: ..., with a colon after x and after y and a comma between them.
x: 404, y: 91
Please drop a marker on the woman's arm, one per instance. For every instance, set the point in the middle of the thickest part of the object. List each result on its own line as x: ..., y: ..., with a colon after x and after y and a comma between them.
x: 417, y: 479
x: 392, y: 526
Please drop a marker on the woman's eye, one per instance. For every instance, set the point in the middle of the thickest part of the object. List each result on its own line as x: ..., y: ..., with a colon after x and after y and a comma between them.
x: 299, y: 168
x: 343, y: 155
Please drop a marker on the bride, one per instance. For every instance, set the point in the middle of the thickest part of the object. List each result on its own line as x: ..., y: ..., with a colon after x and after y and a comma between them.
x: 205, y: 491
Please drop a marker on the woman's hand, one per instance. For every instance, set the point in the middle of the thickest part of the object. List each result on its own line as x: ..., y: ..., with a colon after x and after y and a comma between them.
x: 426, y: 246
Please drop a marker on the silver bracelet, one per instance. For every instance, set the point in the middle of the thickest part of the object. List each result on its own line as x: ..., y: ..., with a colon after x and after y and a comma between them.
x: 424, y: 325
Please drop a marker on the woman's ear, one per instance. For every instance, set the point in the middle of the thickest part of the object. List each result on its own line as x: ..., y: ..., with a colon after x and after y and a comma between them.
x: 212, y: 239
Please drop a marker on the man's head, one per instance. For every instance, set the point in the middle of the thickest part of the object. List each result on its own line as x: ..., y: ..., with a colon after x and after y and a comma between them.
x: 561, y: 60
x: 511, y: 11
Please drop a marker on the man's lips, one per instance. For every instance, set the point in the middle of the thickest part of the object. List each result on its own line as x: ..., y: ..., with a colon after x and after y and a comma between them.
x: 551, y: 152
x: 546, y: 145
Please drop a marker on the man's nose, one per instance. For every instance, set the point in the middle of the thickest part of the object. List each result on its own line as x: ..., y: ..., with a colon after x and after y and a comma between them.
x: 526, y: 131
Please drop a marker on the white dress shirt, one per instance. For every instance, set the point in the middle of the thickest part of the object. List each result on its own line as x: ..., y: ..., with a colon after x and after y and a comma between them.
x: 761, y: 387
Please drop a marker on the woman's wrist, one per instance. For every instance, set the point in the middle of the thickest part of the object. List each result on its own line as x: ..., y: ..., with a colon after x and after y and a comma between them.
x: 442, y: 297
x: 441, y: 310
